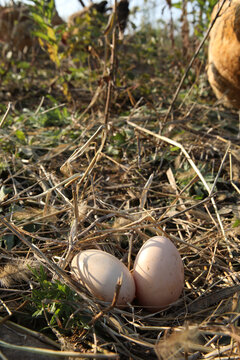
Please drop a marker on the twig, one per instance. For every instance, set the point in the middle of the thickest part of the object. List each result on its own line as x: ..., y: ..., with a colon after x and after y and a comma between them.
x: 6, y: 114
x: 32, y: 333
x: 231, y: 174
x: 180, y: 146
x: 2, y: 356
x: 48, y: 352
x: 107, y: 309
x: 39, y: 106
x: 92, y: 163
x: 82, y: 3
x: 220, y: 168
x: 7, y: 317
x: 146, y: 188
x: 111, y: 79
x: 78, y: 152
x: 111, y: 306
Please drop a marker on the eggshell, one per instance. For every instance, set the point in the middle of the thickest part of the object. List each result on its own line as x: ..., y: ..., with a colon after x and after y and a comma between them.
x: 158, y: 273
x: 99, y: 272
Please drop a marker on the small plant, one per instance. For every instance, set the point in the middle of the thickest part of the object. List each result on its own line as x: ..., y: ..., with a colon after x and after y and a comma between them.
x: 56, y: 302
x: 48, y: 35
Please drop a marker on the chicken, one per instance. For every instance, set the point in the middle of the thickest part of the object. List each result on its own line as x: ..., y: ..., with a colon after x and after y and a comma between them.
x: 224, y: 54
x: 16, y: 25
x: 99, y: 7
x: 122, y: 16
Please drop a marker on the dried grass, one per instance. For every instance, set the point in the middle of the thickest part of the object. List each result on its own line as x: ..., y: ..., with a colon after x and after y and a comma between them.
x: 182, y: 182
x: 115, y: 205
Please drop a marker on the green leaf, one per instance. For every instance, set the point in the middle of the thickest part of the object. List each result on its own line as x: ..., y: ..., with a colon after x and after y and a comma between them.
x: 119, y: 138
x: 51, y: 34
x: 38, y: 18
x: 20, y: 135
x: 177, y: 5
x: 174, y: 148
x: 41, y: 35
x: 236, y: 223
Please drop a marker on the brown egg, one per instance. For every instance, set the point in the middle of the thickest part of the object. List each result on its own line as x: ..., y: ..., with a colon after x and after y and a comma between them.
x: 158, y: 273
x: 99, y: 272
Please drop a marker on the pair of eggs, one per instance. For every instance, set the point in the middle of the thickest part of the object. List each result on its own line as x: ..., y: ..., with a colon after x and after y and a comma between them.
x: 156, y: 280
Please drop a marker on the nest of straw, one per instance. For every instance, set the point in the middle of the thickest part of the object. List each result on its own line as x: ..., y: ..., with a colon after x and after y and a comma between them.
x: 112, y: 189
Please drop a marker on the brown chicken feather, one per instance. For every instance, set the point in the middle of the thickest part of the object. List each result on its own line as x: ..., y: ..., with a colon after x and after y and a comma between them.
x: 15, y: 272
x: 224, y: 54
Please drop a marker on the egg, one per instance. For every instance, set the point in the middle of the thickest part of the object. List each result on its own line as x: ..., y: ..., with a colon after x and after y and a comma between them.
x: 99, y: 272
x: 158, y: 273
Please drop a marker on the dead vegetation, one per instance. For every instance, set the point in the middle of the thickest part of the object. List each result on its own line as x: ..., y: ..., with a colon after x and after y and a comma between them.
x: 109, y: 176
